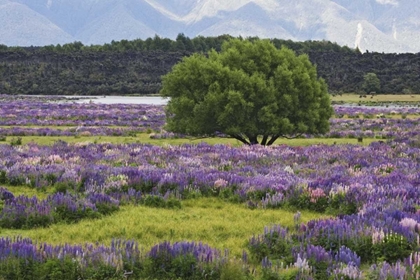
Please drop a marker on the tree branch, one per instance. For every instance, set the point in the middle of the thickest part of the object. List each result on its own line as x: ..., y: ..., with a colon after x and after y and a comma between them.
x: 240, y: 138
x: 294, y: 137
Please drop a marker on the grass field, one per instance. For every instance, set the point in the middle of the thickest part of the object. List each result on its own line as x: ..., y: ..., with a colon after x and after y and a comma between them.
x: 144, y: 138
x: 355, y: 98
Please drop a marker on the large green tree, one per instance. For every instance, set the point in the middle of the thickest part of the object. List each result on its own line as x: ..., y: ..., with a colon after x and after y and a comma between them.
x: 251, y: 91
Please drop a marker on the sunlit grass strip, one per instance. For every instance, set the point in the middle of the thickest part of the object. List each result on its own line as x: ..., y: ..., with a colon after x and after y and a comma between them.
x: 144, y: 138
x: 355, y: 98
x: 220, y: 224
x: 25, y: 190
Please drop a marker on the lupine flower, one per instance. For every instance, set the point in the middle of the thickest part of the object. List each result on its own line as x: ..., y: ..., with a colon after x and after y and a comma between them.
x: 302, y: 264
x: 385, y: 271
x: 348, y: 257
x: 409, y: 223
x: 316, y: 194
x: 378, y: 236
x: 350, y: 271
x: 220, y: 183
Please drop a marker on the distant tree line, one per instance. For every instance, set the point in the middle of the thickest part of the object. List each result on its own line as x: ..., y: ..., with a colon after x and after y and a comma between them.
x: 136, y: 67
x: 180, y: 44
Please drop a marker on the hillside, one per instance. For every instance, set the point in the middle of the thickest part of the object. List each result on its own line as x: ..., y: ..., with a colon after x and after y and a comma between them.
x: 136, y: 67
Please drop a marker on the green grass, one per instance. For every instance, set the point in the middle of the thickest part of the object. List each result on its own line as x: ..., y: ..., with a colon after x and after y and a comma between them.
x: 354, y: 98
x: 210, y: 220
x: 24, y: 190
x: 145, y: 139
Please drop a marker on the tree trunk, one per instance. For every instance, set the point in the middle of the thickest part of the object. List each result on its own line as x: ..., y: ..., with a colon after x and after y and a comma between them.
x: 253, y: 140
x: 264, y: 140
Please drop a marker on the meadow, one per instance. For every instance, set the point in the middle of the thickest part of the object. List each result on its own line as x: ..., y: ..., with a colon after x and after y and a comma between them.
x: 377, y: 99
x: 91, y: 191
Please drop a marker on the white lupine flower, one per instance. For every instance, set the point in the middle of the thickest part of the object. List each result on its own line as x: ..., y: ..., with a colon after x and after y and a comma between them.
x: 409, y: 223
x: 289, y: 170
x: 302, y: 264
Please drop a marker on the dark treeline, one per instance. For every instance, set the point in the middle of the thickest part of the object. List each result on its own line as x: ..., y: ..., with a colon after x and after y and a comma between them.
x: 136, y: 67
x: 344, y: 72
x: 180, y: 44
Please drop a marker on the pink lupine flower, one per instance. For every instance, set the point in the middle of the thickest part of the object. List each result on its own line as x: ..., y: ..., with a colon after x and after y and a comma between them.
x: 316, y: 194
x: 220, y: 183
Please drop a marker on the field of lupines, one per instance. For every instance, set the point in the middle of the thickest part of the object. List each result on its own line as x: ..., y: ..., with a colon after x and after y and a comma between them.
x: 33, y: 117
x: 371, y: 193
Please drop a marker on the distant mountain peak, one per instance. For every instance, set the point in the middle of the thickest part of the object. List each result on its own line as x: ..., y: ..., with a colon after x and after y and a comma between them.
x: 374, y: 25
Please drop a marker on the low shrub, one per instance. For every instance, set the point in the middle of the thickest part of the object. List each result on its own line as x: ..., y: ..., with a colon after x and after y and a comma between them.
x: 16, y: 141
x: 275, y: 244
x: 159, y: 201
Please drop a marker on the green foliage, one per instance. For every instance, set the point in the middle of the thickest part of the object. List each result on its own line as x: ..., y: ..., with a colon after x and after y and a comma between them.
x: 63, y: 213
x: 101, y: 271
x: 298, y: 198
x: 16, y: 141
x: 106, y: 208
x: 392, y: 248
x: 371, y: 83
x: 173, y: 203
x: 17, y: 268
x: 54, y: 269
x: 268, y: 274
x: 136, y: 67
x: 158, y: 201
x: 273, y: 246
x: 3, y: 177
x: 64, y: 187
x: 320, y: 205
x: 258, y: 195
x: 228, y: 194
x: 249, y: 91
x: 154, y: 201
x: 22, y: 222
x: 181, y: 43
x: 320, y: 269
x: 58, y: 269
x: 234, y: 270
x: 166, y: 266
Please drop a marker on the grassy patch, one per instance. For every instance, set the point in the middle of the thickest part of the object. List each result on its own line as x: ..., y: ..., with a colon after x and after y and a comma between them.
x: 209, y: 220
x: 24, y: 190
x: 145, y: 139
x: 355, y: 98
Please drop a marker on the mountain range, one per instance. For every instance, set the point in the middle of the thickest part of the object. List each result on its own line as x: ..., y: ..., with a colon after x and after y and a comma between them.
x: 390, y: 26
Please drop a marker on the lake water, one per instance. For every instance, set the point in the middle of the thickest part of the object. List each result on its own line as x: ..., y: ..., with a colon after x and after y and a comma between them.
x: 151, y: 100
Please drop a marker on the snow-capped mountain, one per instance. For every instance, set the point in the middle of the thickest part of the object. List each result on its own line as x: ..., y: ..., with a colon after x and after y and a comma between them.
x: 373, y: 25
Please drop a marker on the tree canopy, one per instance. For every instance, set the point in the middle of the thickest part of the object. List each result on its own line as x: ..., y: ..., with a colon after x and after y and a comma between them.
x: 250, y: 91
x: 371, y: 83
